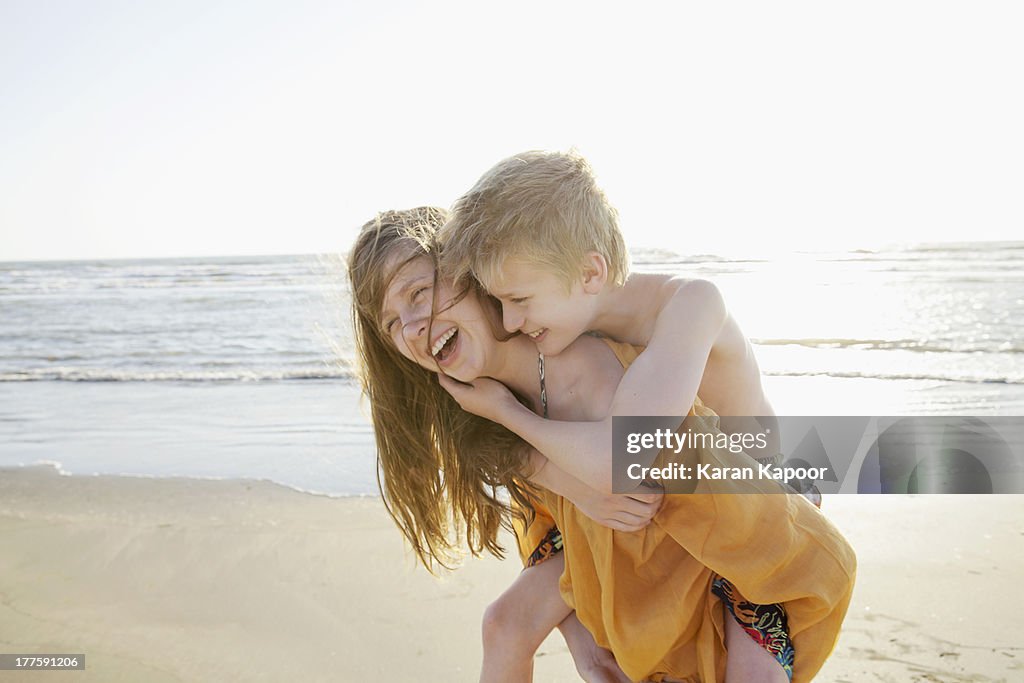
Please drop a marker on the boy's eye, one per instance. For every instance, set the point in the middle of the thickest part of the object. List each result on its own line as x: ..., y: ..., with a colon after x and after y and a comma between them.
x: 517, y: 300
x: 418, y: 292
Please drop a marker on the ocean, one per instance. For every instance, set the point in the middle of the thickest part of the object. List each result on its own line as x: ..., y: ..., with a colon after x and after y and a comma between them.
x: 239, y: 367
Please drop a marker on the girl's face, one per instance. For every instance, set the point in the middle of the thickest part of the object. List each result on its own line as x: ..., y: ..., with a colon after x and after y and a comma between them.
x: 460, y: 340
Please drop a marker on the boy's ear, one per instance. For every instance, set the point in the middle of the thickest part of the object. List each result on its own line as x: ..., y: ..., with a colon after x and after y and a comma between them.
x: 595, y: 272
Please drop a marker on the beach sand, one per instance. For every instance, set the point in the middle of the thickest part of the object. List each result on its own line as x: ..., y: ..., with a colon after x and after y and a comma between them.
x: 215, y: 580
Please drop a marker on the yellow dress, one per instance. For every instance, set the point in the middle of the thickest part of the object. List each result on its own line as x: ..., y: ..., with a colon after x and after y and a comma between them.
x: 647, y: 596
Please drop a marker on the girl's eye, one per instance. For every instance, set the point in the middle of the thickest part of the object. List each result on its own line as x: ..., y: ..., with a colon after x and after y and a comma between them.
x: 518, y: 300
x: 418, y: 292
x: 388, y: 325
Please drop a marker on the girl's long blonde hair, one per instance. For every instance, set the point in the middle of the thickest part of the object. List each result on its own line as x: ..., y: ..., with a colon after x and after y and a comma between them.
x: 439, y: 468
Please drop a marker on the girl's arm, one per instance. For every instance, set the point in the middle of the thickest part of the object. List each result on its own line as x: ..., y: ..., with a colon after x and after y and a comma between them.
x: 593, y: 663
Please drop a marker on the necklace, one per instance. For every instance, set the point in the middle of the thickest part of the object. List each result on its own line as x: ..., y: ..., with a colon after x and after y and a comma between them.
x: 543, y: 388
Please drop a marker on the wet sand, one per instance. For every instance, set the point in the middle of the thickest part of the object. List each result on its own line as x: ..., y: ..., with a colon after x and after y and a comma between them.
x: 228, y: 580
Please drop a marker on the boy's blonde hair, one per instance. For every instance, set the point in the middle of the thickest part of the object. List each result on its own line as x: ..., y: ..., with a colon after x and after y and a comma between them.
x: 544, y: 208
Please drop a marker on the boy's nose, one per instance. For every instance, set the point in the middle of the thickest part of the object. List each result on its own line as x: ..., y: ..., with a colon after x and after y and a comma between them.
x: 510, y: 319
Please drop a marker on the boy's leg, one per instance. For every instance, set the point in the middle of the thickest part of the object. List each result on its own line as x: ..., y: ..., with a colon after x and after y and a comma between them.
x: 520, y: 619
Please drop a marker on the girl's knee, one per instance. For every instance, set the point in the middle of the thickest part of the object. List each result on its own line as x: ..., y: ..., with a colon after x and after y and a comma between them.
x: 499, y: 624
x: 506, y: 626
x: 494, y: 622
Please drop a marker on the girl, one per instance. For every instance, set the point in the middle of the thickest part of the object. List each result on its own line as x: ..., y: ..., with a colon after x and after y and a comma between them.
x: 653, y: 598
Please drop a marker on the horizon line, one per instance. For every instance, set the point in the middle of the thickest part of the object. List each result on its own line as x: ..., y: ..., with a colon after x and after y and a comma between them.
x: 869, y: 248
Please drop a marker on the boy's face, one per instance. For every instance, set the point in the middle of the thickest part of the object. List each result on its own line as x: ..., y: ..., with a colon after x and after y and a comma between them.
x: 534, y: 301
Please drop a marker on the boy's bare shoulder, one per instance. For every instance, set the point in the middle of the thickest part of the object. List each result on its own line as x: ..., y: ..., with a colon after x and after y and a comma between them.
x: 646, y: 297
x: 678, y: 282
x: 666, y: 285
x: 686, y: 295
x: 695, y: 302
x: 660, y: 287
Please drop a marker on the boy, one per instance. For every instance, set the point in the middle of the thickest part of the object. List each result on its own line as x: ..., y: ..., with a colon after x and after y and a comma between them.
x: 542, y: 238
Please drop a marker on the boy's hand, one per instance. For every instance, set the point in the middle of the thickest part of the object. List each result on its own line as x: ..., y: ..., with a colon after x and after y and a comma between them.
x: 484, y: 396
x: 619, y: 511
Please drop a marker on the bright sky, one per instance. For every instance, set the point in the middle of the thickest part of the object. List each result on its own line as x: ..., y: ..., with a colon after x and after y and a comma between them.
x: 133, y: 129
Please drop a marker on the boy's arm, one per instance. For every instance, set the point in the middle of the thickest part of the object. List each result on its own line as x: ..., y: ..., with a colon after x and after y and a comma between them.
x: 663, y: 380
x: 622, y: 512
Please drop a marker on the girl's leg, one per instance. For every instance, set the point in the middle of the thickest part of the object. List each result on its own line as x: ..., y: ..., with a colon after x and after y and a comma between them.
x: 757, y: 642
x: 520, y: 619
x: 746, y: 661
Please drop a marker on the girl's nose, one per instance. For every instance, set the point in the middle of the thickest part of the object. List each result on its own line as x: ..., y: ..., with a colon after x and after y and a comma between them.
x: 415, y: 328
